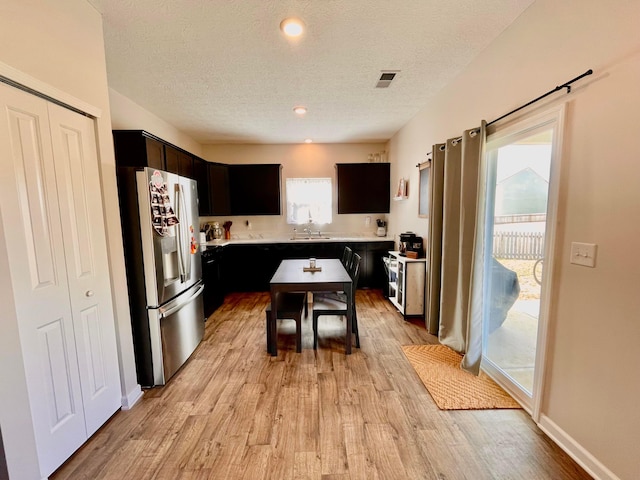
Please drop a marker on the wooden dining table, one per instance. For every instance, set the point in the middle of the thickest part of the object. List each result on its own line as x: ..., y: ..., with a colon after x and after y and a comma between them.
x: 291, y: 277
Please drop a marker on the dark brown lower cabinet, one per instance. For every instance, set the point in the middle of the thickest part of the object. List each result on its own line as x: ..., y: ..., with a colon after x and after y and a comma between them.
x: 249, y: 267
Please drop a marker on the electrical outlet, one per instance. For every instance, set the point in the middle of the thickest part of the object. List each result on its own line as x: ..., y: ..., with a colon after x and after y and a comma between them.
x: 583, y: 254
x: 367, y: 221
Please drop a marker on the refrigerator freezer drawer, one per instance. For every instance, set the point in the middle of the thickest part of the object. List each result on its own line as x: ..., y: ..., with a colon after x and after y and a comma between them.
x: 181, y: 325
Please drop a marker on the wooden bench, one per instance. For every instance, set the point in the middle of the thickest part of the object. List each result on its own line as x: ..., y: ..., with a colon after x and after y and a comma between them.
x: 290, y: 306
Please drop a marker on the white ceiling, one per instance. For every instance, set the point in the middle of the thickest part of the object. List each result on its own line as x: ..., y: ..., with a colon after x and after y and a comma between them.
x: 222, y: 72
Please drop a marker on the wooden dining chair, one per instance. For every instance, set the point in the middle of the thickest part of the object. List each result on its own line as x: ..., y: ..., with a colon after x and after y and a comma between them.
x: 346, y: 257
x: 289, y: 307
x: 336, y: 303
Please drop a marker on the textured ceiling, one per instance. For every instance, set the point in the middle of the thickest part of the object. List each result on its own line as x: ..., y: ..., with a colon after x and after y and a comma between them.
x: 222, y: 72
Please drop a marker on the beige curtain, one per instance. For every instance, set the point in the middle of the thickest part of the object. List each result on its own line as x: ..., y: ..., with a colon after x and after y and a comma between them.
x: 452, y: 245
x: 434, y: 244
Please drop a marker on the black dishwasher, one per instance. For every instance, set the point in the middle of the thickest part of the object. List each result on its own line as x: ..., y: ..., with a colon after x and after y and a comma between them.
x: 213, y: 295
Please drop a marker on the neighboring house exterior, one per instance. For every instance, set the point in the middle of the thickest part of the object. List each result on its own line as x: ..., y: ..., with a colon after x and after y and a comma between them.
x: 524, y: 192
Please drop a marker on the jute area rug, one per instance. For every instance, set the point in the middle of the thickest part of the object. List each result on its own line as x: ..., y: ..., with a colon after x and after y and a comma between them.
x: 451, y: 387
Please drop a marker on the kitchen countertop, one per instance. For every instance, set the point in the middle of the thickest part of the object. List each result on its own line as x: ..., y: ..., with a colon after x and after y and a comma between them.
x: 258, y: 239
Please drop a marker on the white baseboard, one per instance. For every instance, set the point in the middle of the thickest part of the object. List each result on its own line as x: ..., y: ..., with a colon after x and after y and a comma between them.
x: 576, y: 451
x: 132, y: 398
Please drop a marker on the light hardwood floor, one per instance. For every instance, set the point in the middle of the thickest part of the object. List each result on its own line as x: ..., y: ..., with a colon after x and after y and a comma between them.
x: 235, y: 412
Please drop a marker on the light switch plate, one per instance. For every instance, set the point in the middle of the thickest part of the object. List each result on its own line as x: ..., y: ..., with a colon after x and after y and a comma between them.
x: 583, y: 254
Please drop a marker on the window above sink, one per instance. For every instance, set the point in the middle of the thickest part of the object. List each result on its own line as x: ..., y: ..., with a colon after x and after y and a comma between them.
x: 308, y: 201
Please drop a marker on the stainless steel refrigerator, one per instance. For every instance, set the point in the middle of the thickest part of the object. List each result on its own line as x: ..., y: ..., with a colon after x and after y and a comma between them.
x: 160, y: 224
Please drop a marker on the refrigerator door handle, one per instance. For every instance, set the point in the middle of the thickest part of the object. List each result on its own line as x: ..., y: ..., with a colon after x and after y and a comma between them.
x: 186, y: 244
x: 173, y: 309
x: 183, y: 256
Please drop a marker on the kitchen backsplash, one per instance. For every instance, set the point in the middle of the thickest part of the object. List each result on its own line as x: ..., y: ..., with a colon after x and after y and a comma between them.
x: 276, y: 225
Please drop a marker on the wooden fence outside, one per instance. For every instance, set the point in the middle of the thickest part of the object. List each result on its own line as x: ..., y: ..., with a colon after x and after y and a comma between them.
x: 518, y: 245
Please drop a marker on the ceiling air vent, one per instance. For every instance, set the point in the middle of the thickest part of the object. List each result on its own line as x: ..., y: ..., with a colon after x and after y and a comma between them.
x: 386, y: 78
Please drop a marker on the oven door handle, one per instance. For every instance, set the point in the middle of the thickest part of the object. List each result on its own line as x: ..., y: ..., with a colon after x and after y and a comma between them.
x: 170, y: 311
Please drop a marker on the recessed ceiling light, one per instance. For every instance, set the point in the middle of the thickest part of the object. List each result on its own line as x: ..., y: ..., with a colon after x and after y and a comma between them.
x: 292, y: 27
x: 300, y: 110
x: 308, y: 140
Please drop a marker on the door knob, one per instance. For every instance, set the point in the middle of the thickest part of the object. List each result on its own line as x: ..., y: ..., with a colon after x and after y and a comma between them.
x: 89, y: 293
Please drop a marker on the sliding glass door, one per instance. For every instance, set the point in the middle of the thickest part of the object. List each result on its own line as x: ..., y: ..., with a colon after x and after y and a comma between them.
x: 521, y: 167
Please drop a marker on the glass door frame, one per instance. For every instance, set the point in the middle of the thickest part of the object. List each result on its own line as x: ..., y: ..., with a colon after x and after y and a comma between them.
x: 552, y: 118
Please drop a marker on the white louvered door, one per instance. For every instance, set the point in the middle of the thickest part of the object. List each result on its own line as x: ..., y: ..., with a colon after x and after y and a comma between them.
x: 50, y: 201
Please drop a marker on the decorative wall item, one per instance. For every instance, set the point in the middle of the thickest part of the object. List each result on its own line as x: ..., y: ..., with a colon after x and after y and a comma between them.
x: 401, y: 192
x: 378, y: 157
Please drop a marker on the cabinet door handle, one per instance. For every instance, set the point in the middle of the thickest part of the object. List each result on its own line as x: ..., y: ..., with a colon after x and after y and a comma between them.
x: 89, y: 293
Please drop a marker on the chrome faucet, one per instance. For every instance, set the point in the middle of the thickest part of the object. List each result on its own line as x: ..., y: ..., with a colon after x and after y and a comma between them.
x: 307, y: 230
x: 308, y: 233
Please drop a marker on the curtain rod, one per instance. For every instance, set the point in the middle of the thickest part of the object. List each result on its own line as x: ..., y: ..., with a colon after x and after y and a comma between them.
x: 566, y: 85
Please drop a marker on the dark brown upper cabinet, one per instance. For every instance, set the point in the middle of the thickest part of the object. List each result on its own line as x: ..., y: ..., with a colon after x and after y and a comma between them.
x: 219, y: 201
x: 136, y: 148
x: 364, y: 187
x: 222, y: 189
x: 201, y: 175
x: 213, y: 187
x: 254, y: 189
x: 178, y: 161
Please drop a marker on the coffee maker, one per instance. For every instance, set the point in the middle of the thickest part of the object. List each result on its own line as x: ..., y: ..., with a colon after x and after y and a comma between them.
x: 410, y: 245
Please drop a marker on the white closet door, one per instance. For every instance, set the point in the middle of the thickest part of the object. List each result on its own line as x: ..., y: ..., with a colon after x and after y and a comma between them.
x: 30, y: 212
x: 78, y: 181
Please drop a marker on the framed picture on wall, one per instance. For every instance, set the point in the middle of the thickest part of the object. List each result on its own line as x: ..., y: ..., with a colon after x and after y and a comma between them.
x: 423, y: 189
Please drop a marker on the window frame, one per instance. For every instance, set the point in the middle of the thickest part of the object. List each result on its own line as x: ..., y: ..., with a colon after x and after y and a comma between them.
x: 325, y: 217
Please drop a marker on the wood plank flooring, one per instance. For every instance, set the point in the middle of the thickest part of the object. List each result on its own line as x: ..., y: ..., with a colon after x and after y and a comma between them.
x: 234, y: 412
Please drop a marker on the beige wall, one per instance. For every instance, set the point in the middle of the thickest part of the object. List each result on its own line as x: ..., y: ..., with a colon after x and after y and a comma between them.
x: 128, y: 115
x: 60, y: 43
x: 305, y: 160
x: 592, y: 383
